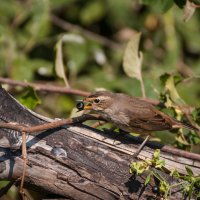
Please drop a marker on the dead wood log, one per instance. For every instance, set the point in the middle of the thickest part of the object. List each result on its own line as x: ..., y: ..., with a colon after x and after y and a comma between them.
x: 78, y: 162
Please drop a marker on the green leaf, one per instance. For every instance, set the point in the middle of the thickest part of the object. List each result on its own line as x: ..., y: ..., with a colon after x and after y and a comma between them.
x: 159, y: 164
x: 181, y: 139
x: 196, y: 115
x: 170, y: 86
x: 156, y: 161
x: 147, y: 180
x: 25, y: 68
x: 77, y: 51
x: 168, y: 81
x: 138, y: 167
x: 175, y: 173
x: 164, y: 187
x: 30, y: 98
x: 156, y: 154
x: 38, y: 26
x: 160, y: 5
x: 189, y: 171
x: 190, y: 190
x: 92, y: 12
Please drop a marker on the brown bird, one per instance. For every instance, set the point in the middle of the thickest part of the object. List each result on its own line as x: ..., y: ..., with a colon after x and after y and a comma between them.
x: 131, y: 114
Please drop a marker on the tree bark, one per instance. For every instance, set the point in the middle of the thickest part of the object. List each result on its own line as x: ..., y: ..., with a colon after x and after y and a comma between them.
x: 78, y: 162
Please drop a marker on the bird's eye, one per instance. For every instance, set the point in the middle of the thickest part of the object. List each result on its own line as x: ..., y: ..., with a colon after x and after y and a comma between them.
x: 96, y: 100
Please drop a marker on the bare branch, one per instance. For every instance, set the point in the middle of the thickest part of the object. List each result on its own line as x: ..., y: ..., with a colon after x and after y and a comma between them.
x: 90, y: 35
x: 44, y: 87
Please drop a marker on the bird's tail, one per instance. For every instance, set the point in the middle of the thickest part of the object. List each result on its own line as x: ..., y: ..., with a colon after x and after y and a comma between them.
x: 191, y: 127
x: 187, y: 126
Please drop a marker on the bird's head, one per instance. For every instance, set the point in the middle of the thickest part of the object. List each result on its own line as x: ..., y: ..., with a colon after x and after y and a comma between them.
x: 98, y: 101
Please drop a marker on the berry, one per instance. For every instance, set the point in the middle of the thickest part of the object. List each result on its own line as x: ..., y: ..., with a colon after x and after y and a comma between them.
x: 155, y: 189
x: 80, y: 105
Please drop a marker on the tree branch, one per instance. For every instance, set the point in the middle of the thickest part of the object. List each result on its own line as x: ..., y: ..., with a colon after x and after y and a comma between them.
x: 44, y: 87
x: 90, y: 35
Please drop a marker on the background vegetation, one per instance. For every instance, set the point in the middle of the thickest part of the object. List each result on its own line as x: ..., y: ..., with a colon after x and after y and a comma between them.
x: 94, y: 35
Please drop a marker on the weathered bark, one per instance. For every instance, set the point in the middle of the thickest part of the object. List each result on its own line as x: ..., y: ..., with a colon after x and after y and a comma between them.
x: 78, y: 162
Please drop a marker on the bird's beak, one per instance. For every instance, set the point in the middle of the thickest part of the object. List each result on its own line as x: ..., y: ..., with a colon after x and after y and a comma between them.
x: 88, y: 103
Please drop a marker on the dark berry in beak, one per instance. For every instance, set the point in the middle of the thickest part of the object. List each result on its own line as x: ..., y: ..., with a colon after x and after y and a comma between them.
x: 80, y: 105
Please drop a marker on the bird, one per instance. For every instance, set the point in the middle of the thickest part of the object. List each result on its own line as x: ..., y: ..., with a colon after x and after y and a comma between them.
x: 131, y: 114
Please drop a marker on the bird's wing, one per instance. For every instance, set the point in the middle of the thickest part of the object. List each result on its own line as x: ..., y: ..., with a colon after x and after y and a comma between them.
x: 147, y: 117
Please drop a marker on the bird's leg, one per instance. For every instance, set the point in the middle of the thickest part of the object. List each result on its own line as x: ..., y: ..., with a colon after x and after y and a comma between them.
x: 141, y: 147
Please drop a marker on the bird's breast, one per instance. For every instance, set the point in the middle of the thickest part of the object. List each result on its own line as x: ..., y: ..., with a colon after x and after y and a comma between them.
x: 117, y: 118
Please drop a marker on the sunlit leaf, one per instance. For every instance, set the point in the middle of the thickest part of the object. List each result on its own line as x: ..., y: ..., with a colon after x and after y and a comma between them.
x: 70, y: 39
x: 59, y: 65
x: 173, y: 92
x: 30, y: 98
x: 188, y: 11
x: 168, y: 82
x: 164, y: 187
x: 181, y: 139
x: 175, y: 173
x: 156, y: 154
x: 147, y: 180
x: 138, y: 167
x: 132, y: 60
x: 74, y: 38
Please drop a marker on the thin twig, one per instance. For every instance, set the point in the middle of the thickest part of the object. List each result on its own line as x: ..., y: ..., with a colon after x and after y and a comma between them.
x: 24, y: 157
x: 49, y: 125
x: 142, y: 88
x: 72, y: 27
x: 141, y: 147
x: 44, y: 87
